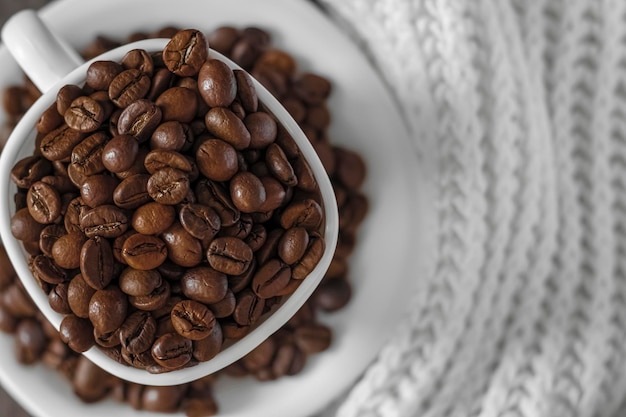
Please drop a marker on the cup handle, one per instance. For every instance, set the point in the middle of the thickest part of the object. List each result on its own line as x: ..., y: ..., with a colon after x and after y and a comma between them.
x: 42, y: 55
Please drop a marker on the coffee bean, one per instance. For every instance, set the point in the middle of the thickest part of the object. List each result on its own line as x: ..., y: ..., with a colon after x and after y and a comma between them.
x: 271, y: 278
x: 144, y: 252
x: 161, y: 81
x: 108, y: 309
x: 276, y: 194
x: 217, y: 197
x: 57, y: 298
x: 217, y: 160
x: 97, y: 190
x: 139, y: 59
x: 44, y: 203
x: 262, y: 128
x: 120, y: 153
x: 172, y: 351
x: 96, y: 262
x: 229, y: 255
x: 202, y: 222
x: 168, y: 186
x: 77, y: 333
x: 79, y: 295
x: 58, y: 144
x: 132, y: 192
x: 50, y: 119
x: 182, y: 248
x: 249, y: 308
x: 86, y: 158
x: 204, y: 284
x: 306, y: 213
x: 47, y: 237
x: 247, y: 192
x: 279, y: 166
x: 29, y: 170
x: 246, y: 92
x: 207, y: 348
x: 178, y: 104
x: 310, y: 259
x: 140, y: 119
x: 84, y: 114
x: 100, y: 74
x: 66, y: 250
x: 128, y: 87
x: 105, y: 221
x: 66, y: 95
x: 159, y: 159
x: 137, y: 332
x: 171, y: 135
x: 217, y: 83
x: 136, y: 282
x: 223, y: 39
x: 186, y: 52
x: 30, y: 341
x: 293, y: 244
x: 350, y: 168
x: 224, y: 124
x: 153, y: 218
x: 192, y: 320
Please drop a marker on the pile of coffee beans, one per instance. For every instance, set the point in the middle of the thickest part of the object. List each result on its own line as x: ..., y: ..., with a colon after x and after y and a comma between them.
x: 285, y: 353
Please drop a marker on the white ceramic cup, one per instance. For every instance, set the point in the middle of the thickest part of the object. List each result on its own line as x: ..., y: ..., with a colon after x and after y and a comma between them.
x: 51, y: 64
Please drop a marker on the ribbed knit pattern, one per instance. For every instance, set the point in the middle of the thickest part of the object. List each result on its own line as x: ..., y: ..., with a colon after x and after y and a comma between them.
x: 521, y: 104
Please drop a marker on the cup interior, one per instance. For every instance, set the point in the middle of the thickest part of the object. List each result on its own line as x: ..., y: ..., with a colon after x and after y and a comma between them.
x: 21, y: 144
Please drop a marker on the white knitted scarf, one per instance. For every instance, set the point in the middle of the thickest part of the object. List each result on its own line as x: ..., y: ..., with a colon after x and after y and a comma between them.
x: 523, y: 105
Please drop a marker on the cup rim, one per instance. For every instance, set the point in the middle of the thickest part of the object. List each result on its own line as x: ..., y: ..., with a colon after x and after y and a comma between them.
x: 23, y: 135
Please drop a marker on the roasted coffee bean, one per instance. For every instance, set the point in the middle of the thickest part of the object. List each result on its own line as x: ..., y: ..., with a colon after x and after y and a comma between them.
x: 310, y: 259
x: 192, y: 320
x: 137, y: 333
x: 140, y: 119
x: 100, y: 74
x: 224, y: 124
x: 77, y: 333
x: 207, y: 348
x: 159, y: 159
x: 30, y: 341
x: 178, y: 104
x: 262, y: 128
x: 153, y: 218
x: 247, y: 192
x: 128, y: 87
x: 97, y: 190
x: 256, y: 238
x: 96, y: 262
x: 249, y: 308
x: 240, y: 230
x: 132, y: 192
x: 279, y: 165
x: 120, y: 153
x: 271, y: 278
x: 86, y: 158
x: 107, y: 340
x: 138, y: 59
x: 57, y: 298
x: 162, y: 399
x: 172, y: 351
x: 161, y: 81
x: 171, y: 135
x: 44, y: 203
x: 89, y: 382
x: 74, y: 213
x: 276, y: 194
x: 141, y: 360
x: 202, y: 222
x: 229, y: 255
x: 29, y: 170
x: 306, y: 179
x: 48, y: 236
x: 217, y: 197
x: 185, y: 53
x: 85, y: 114
x: 217, y: 160
x: 138, y: 283
x: 46, y: 269
x: 225, y: 307
x: 58, y: 144
x: 16, y: 301
x: 66, y: 95
x: 153, y: 301
x: 108, y: 309
x: 50, y: 119
x: 332, y: 294
x: 168, y: 186
x: 246, y: 92
x: 306, y: 213
x: 269, y: 249
x: 293, y: 244
x: 223, y: 39
x: 182, y: 248
x: 105, y: 221
x: 312, y: 338
x: 217, y: 83
x: 144, y: 252
x: 79, y: 295
x: 8, y: 322
x: 66, y: 250
x: 204, y: 284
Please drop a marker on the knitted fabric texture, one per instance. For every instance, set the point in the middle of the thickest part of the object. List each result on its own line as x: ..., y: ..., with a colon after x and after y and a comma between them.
x: 522, y: 103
